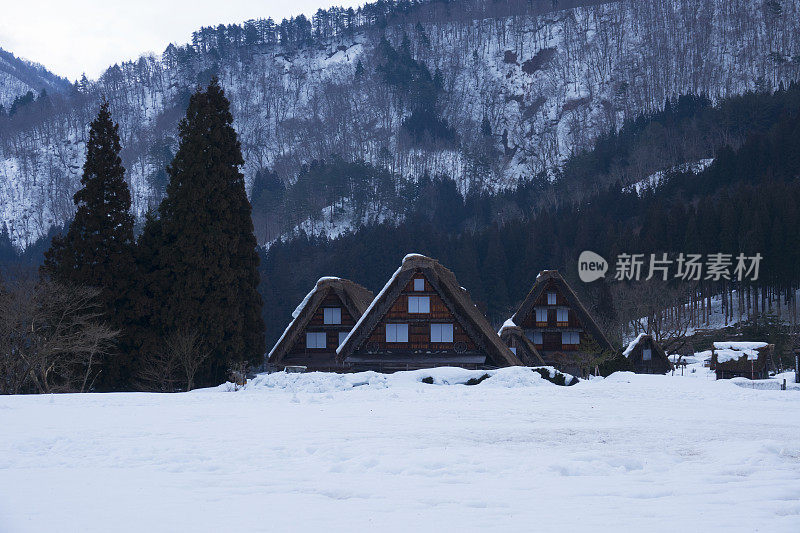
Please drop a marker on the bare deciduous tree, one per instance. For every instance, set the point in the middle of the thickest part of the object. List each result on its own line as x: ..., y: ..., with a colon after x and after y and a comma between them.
x: 175, y: 365
x: 53, y: 336
x: 186, y: 346
x: 657, y: 308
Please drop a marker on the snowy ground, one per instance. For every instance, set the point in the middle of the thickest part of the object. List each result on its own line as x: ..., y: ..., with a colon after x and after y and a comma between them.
x: 314, y: 452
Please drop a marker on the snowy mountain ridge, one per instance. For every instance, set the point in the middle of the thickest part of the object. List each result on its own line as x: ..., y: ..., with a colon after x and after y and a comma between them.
x: 548, y: 85
x: 18, y: 76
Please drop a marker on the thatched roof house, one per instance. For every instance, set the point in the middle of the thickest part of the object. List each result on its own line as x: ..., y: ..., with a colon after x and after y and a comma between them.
x: 514, y: 337
x: 647, y: 356
x: 560, y: 328
x: 423, y: 318
x: 319, y: 324
x: 752, y: 360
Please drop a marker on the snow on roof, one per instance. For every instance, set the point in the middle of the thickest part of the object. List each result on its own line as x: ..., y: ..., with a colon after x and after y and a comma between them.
x: 507, y: 324
x: 413, y: 256
x: 633, y: 344
x: 733, y: 351
x: 372, y: 304
x: 299, y: 308
x: 740, y: 345
x: 280, y: 340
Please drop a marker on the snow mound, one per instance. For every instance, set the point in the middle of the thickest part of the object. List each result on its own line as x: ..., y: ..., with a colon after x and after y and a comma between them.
x: 621, y: 377
x: 326, y: 382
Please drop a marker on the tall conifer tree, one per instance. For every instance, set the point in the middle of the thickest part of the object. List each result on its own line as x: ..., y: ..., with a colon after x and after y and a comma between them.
x: 209, y: 249
x: 98, y: 247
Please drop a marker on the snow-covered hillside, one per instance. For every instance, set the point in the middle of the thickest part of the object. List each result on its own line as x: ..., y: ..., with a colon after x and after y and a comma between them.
x: 18, y: 76
x: 547, y: 84
x: 310, y: 453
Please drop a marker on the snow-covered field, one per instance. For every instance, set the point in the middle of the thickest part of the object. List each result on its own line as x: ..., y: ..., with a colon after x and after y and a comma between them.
x: 314, y: 452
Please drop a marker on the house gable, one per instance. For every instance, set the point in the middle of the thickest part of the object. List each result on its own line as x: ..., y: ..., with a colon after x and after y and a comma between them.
x: 345, y: 302
x: 555, y: 320
x: 316, y: 324
x: 408, y: 324
x: 658, y: 363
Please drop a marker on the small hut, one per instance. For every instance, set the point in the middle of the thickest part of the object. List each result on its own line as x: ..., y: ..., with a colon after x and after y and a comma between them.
x: 647, y: 356
x: 423, y: 318
x: 319, y: 324
x: 752, y: 360
x: 514, y: 337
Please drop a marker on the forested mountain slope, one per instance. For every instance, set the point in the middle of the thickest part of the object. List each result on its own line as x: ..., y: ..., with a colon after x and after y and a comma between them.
x: 18, y: 76
x: 484, y: 92
x: 745, y: 201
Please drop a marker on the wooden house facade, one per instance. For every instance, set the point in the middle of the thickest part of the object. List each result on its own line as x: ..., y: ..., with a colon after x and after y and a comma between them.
x: 421, y: 319
x: 647, y: 356
x: 751, y: 360
x: 558, y: 325
x: 319, y: 324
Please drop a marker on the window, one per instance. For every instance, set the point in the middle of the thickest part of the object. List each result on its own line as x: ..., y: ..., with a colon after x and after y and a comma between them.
x: 419, y: 284
x: 441, y: 332
x: 551, y: 298
x: 332, y: 315
x: 316, y: 340
x: 513, y: 350
x: 419, y: 304
x: 541, y: 314
x: 396, y: 332
x: 647, y: 354
x: 537, y: 337
x: 563, y: 314
x: 342, y: 336
x: 570, y: 337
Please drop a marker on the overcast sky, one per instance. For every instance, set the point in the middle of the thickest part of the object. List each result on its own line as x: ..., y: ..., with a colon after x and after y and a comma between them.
x: 70, y: 37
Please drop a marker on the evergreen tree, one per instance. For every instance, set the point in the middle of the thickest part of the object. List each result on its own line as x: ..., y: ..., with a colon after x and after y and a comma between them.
x: 98, y: 247
x: 209, y: 250
x: 152, y: 285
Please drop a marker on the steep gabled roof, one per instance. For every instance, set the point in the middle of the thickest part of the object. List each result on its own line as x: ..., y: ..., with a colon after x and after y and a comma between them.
x: 542, y: 281
x: 634, y: 343
x: 354, y: 297
x: 455, y: 297
x: 510, y: 329
x: 644, y: 339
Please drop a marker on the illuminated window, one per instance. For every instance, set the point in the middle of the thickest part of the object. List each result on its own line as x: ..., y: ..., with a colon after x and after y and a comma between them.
x: 419, y: 284
x: 551, y: 298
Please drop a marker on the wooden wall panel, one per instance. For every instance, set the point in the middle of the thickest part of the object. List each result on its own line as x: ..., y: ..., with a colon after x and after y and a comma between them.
x: 419, y: 331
